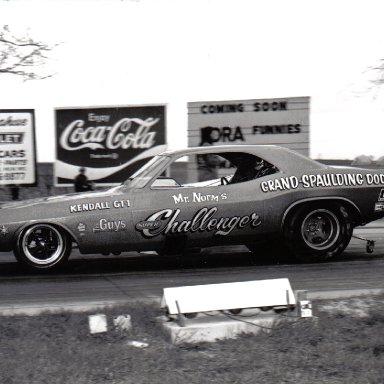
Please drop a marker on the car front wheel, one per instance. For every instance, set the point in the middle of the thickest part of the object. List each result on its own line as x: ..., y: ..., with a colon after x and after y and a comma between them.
x: 317, y: 233
x: 42, y: 246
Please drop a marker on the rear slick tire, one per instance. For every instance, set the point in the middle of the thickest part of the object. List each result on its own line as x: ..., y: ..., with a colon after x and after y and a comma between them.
x: 318, y: 232
x: 42, y: 246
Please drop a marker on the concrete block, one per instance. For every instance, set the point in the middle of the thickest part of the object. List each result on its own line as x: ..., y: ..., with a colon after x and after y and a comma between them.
x: 213, y: 328
x: 123, y: 322
x: 97, y: 323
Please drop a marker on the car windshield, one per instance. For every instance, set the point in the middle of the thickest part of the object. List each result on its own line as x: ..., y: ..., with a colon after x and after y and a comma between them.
x: 147, y: 171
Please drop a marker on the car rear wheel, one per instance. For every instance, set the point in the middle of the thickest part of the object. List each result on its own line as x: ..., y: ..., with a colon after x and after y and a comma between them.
x: 318, y: 232
x: 42, y: 246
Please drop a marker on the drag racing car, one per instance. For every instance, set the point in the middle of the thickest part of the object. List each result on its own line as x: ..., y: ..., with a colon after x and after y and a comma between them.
x: 253, y: 195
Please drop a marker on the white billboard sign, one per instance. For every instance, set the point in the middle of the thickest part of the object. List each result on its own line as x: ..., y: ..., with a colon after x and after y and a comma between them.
x: 17, y: 147
x: 279, y: 121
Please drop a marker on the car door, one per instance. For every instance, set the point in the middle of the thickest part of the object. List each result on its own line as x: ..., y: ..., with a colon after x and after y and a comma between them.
x: 196, y: 216
x: 101, y: 221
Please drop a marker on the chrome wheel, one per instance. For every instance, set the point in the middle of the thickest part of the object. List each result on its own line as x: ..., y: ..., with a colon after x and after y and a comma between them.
x: 43, y: 245
x: 320, y: 229
x: 314, y: 232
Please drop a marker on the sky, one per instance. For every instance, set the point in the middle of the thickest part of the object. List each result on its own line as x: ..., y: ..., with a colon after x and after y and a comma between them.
x: 132, y: 52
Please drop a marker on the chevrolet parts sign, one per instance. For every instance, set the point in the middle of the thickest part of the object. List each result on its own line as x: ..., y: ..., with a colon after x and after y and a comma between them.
x: 17, y: 147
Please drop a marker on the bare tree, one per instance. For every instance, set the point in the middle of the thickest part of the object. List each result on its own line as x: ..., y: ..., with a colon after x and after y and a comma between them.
x: 22, y: 56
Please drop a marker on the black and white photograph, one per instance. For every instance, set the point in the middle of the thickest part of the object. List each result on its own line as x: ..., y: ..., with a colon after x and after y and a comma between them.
x: 191, y: 191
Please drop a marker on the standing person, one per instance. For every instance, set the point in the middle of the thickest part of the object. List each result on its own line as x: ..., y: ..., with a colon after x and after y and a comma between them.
x: 81, y: 182
x: 15, y: 191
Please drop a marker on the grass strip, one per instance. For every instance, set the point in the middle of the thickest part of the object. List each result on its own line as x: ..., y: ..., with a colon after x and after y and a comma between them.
x: 58, y: 348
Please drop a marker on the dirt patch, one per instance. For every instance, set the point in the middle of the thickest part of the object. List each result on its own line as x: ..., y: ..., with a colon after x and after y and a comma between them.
x: 356, y: 306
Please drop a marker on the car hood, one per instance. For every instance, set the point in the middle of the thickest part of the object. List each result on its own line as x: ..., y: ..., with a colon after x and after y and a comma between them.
x: 354, y: 168
x: 55, y: 199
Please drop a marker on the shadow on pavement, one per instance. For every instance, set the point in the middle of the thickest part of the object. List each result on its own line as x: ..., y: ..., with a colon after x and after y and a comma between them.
x: 135, y: 263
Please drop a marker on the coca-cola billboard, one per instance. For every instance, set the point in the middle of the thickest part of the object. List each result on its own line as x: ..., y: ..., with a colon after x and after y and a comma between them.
x: 110, y: 143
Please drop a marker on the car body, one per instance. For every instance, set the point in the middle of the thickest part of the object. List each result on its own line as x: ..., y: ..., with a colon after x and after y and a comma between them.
x: 309, y: 207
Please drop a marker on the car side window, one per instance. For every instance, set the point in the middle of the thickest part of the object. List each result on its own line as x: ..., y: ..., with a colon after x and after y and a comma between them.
x: 251, y: 168
x: 214, y: 169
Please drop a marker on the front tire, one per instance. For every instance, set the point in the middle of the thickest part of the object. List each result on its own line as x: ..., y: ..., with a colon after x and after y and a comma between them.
x: 318, y: 232
x: 42, y: 246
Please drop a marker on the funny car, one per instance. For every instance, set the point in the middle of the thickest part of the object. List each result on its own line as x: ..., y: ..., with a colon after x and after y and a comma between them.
x: 249, y: 195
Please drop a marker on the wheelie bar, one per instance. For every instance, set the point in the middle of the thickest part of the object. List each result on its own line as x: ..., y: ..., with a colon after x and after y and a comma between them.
x: 370, y: 243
